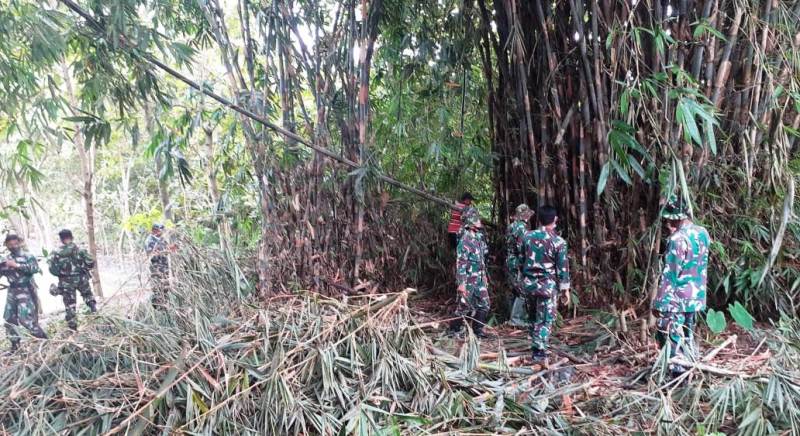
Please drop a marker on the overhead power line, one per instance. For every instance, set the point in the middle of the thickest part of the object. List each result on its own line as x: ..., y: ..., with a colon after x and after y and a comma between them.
x: 249, y: 114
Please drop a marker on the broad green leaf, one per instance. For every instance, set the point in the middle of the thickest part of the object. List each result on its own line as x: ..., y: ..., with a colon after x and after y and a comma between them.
x: 741, y: 316
x: 716, y: 321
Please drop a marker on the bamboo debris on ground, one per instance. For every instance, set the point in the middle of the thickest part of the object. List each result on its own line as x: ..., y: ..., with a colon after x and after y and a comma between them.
x: 309, y: 364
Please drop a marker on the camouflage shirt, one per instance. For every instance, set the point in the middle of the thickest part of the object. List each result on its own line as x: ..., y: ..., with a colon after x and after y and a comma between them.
x: 546, y: 267
x: 683, y: 281
x: 22, y: 276
x: 156, y: 247
x: 70, y: 260
x: 515, y: 249
x: 471, y: 260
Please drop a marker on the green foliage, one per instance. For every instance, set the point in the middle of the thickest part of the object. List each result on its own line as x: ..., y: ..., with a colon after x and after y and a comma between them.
x: 716, y: 321
x: 626, y: 155
x: 142, y: 222
x: 741, y: 315
x: 687, y: 111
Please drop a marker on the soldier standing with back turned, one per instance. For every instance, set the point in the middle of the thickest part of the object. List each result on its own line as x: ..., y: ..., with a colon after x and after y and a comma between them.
x: 515, y: 258
x: 73, y: 267
x: 157, y: 248
x: 21, y: 299
x: 682, y: 290
x: 545, y: 274
x: 471, y: 277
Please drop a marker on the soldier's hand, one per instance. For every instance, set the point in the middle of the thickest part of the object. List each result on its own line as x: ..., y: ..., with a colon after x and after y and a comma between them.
x: 11, y: 263
x: 566, y: 297
x: 462, y: 290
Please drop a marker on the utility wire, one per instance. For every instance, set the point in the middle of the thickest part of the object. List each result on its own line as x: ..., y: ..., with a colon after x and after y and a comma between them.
x: 249, y: 114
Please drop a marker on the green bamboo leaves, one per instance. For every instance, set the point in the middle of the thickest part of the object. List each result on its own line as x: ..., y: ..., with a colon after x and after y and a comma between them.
x: 689, y: 110
x: 626, y: 154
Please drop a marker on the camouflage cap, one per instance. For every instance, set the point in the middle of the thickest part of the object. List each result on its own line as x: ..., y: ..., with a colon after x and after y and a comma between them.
x: 523, y: 211
x: 472, y: 220
x: 158, y: 226
x: 675, y: 209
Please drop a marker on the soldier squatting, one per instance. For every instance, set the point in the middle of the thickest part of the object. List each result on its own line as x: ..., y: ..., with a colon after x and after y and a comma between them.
x: 537, y: 269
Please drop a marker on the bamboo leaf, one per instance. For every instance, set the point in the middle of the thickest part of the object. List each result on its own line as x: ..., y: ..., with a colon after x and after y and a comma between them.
x: 603, y: 179
x: 685, y: 116
x: 622, y: 172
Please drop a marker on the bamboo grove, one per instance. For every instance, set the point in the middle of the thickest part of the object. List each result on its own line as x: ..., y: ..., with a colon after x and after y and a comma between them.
x: 604, y: 107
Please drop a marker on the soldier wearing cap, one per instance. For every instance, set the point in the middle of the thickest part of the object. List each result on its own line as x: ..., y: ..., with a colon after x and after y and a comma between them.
x: 471, y: 277
x: 157, y: 248
x: 21, y: 300
x: 515, y: 257
x: 73, y: 267
x: 682, y: 289
x: 545, y: 274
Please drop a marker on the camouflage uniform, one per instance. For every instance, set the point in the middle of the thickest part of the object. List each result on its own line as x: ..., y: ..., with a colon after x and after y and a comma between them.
x: 515, y: 252
x: 468, y: 213
x: 21, y: 301
x: 682, y: 290
x: 515, y: 258
x: 156, y: 247
x: 545, y: 272
x: 471, y: 272
x: 73, y: 265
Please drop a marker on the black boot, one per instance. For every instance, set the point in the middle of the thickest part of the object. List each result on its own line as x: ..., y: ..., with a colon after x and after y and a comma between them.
x: 539, y: 356
x: 455, y: 327
x: 478, y: 323
x: 14, y: 347
x: 92, y: 306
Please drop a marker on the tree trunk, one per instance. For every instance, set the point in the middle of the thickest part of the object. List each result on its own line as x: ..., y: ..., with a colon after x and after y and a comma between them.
x: 87, y: 161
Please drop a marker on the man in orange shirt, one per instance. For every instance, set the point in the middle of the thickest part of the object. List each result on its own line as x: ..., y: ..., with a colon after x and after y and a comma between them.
x: 454, y: 227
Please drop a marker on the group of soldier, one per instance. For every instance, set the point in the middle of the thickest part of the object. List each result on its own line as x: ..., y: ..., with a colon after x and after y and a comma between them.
x: 537, y: 270
x: 73, y: 267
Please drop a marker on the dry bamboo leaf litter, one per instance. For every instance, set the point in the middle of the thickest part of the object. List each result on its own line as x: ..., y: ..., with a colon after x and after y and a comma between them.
x: 309, y: 364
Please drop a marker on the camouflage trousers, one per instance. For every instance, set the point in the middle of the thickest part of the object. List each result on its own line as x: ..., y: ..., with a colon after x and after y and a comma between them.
x: 21, y: 310
x: 541, y: 317
x: 159, y: 277
x: 677, y: 329
x: 476, y: 300
x: 68, y: 288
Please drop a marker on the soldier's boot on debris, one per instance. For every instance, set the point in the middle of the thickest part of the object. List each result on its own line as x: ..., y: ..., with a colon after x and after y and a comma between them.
x: 14, y: 347
x: 454, y: 329
x: 478, y: 323
x: 92, y: 306
x: 539, y: 356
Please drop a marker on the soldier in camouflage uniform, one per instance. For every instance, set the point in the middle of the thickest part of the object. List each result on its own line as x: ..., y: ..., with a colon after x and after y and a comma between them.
x: 515, y: 258
x: 73, y: 267
x: 21, y: 300
x: 682, y: 290
x: 157, y: 248
x: 471, y: 277
x: 545, y: 273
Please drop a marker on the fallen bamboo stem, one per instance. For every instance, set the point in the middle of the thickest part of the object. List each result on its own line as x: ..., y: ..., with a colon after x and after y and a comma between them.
x: 719, y: 348
x: 706, y: 368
